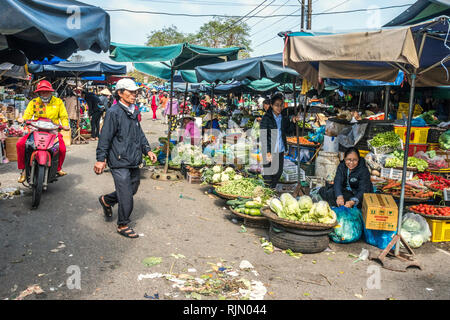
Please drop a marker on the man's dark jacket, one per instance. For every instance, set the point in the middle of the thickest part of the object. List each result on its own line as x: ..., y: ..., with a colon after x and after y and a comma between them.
x: 359, y: 180
x: 268, y: 122
x: 93, y: 102
x: 122, y: 141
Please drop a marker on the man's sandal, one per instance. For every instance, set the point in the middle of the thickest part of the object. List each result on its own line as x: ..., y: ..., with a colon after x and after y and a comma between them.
x: 128, y: 232
x: 106, y: 210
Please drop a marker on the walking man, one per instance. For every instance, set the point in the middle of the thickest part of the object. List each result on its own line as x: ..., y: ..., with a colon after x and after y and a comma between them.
x: 122, y: 143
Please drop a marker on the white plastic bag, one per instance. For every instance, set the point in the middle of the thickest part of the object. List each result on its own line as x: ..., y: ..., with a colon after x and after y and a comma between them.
x: 415, y: 230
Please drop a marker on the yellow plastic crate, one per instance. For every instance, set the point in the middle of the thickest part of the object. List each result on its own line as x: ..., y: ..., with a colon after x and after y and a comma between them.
x: 363, y: 153
x: 440, y: 230
x: 419, y: 135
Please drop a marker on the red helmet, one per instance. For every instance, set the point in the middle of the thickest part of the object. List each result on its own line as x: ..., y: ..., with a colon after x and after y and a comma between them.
x: 44, y: 85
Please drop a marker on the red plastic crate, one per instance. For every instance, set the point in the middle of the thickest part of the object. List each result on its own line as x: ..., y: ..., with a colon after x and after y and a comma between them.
x: 414, y: 148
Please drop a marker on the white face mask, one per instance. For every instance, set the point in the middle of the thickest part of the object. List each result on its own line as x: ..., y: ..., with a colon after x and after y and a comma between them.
x: 46, y: 100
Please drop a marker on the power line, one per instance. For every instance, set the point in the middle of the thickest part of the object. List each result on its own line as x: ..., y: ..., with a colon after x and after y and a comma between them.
x: 260, y: 17
x: 260, y: 10
x: 270, y: 14
x: 324, y: 12
x: 217, y: 3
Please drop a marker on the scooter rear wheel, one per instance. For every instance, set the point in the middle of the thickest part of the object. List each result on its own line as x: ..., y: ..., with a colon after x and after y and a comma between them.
x: 39, y: 174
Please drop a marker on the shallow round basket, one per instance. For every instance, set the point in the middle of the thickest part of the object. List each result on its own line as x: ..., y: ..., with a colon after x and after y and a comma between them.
x: 260, y: 222
x: 412, y: 199
x: 427, y: 215
x: 273, y: 217
x: 229, y: 196
x: 305, y: 145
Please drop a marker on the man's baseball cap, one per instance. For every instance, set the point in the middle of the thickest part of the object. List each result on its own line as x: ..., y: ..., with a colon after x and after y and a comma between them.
x: 126, y: 84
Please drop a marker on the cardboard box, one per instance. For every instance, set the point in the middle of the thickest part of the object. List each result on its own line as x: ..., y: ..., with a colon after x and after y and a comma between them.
x: 380, y: 212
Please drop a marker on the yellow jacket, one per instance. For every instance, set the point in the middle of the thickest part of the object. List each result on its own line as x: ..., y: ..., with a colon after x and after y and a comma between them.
x: 54, y: 110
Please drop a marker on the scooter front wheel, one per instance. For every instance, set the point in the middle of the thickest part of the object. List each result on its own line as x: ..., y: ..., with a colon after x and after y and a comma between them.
x: 39, y: 174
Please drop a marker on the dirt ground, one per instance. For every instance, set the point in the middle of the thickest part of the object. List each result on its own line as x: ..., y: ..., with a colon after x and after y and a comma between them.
x: 196, y: 226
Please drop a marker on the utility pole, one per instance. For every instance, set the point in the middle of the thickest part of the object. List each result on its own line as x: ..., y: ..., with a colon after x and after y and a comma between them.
x: 302, y: 26
x: 308, y: 26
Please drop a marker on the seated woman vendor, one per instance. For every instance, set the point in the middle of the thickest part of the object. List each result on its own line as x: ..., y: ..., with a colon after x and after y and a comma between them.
x: 352, y: 180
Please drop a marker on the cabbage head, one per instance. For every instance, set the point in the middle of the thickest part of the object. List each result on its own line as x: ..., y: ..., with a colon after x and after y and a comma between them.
x: 305, y: 203
x: 277, y: 207
x: 217, y: 169
x: 290, y: 205
x: 229, y: 170
x: 216, y: 178
x: 411, y: 225
x: 224, y: 177
x: 238, y: 177
x: 416, y: 241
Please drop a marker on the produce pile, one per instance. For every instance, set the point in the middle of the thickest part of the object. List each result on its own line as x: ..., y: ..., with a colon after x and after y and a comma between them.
x: 396, y: 161
x: 303, y: 210
x: 386, y: 139
x: 14, y: 131
x: 444, y: 140
x: 218, y: 174
x: 431, y: 210
x: 394, y: 187
x: 307, y: 125
x: 433, y: 181
x: 251, y: 207
x: 190, y: 155
x: 415, y: 230
x: 302, y: 140
x: 148, y: 162
x: 246, y: 187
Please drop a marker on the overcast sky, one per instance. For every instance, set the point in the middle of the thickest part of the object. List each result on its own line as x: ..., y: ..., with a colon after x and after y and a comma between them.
x: 133, y: 28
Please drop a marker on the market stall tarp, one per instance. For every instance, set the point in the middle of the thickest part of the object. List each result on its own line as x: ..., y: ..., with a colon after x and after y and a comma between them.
x: 13, y: 71
x: 39, y: 29
x: 80, y: 69
x: 53, y: 60
x: 182, y: 56
x: 270, y: 67
x: 357, y: 85
x: 421, y: 11
x: 374, y: 55
x: 159, y: 70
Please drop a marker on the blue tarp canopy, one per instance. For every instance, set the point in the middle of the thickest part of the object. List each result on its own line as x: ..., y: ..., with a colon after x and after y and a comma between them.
x: 45, y: 61
x: 270, y: 67
x: 40, y: 29
x: 363, y: 85
x: 75, y: 69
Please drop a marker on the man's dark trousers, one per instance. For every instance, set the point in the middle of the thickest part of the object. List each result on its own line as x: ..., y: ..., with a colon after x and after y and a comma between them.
x: 127, y: 182
x: 95, y: 124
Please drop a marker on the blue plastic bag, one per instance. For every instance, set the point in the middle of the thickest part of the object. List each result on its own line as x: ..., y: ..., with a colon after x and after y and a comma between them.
x: 349, y: 227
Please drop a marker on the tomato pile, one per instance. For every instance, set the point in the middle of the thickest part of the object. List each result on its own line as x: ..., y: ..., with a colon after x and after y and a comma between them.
x: 438, y: 182
x: 431, y: 210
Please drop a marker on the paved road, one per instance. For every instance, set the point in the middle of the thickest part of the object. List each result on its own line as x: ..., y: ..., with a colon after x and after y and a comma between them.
x: 200, y: 230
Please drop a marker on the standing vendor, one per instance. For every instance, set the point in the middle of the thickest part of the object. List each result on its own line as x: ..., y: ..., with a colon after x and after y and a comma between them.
x: 274, y: 129
x: 352, y: 180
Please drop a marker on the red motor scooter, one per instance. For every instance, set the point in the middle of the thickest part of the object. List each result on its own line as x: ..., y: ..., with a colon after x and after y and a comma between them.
x: 41, y: 157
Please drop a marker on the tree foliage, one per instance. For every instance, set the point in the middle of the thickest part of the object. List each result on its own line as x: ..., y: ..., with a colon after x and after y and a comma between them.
x: 216, y: 33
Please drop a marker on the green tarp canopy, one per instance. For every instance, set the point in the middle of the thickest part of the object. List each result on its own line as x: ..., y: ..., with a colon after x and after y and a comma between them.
x: 421, y: 11
x: 162, y: 71
x: 182, y: 56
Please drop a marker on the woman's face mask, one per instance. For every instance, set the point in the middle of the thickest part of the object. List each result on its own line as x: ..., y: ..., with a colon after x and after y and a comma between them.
x: 46, y: 97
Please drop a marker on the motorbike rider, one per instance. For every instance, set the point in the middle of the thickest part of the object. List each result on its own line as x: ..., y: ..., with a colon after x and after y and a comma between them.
x: 44, y: 106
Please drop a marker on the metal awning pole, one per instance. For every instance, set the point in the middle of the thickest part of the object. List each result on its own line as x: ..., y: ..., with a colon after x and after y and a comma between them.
x: 296, y: 132
x: 166, y: 165
x: 386, y: 102
x: 405, y: 160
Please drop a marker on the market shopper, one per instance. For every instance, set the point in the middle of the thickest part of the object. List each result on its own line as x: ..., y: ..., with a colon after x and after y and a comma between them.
x: 72, y: 107
x: 95, y: 111
x: 104, y: 98
x: 122, y: 143
x: 352, y: 180
x: 274, y: 129
x: 154, y: 103
x: 190, y: 133
x: 44, y: 106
